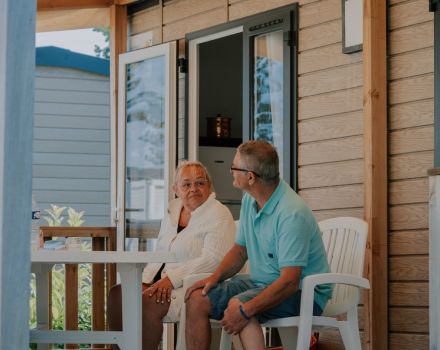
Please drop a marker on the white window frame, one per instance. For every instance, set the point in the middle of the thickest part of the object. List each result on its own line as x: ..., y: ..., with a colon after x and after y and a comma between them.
x: 168, y: 50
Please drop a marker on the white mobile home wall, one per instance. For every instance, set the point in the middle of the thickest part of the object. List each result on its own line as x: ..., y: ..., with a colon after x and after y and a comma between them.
x: 71, y: 144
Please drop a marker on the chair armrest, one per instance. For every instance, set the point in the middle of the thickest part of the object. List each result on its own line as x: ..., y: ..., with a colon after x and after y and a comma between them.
x: 337, y: 278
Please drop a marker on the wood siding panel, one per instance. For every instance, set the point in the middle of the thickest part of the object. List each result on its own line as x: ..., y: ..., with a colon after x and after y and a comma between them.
x: 330, y: 103
x: 71, y: 135
x: 341, y: 125
x: 411, y: 165
x: 409, y: 294
x: 330, y: 80
x: 411, y: 38
x: 43, y: 146
x: 411, y: 89
x: 409, y: 320
x: 325, y: 57
x: 71, y: 109
x: 65, y: 96
x: 71, y: 172
x: 77, y: 122
x: 320, y: 35
x: 60, y: 83
x: 86, y: 197
x: 402, y: 341
x: 334, y: 213
x: 408, y: 242
x: 408, y: 268
x: 411, y: 140
x: 408, y: 191
x: 74, y: 159
x: 319, y: 12
x: 409, y: 217
x: 409, y: 13
x: 177, y: 30
x: 331, y: 150
x: 331, y: 174
x: 412, y: 63
x: 177, y: 10
x: 411, y: 114
x: 334, y: 197
x: 76, y: 184
x: 145, y: 21
x: 244, y: 8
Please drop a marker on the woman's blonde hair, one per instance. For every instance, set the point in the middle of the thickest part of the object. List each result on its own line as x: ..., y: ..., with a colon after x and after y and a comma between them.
x: 194, y: 163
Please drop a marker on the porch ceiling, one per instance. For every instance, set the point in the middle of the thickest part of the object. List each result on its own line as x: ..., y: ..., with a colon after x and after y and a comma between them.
x: 54, y: 15
x: 56, y: 5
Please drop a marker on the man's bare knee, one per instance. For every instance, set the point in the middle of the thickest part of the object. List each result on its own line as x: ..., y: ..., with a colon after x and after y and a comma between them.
x: 198, y: 304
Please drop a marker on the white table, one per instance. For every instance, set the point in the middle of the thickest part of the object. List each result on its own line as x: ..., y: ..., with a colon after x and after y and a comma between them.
x: 129, y: 265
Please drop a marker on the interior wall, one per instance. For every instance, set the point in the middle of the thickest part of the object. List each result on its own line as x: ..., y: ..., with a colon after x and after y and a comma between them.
x: 411, y: 144
x: 330, y: 116
x: 221, y: 82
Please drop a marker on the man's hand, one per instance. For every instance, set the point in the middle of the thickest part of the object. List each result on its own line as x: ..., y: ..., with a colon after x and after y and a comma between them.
x: 162, y: 289
x: 206, y: 284
x: 233, y: 321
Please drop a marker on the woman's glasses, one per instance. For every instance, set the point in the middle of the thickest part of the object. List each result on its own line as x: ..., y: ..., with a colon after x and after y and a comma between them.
x: 186, y: 185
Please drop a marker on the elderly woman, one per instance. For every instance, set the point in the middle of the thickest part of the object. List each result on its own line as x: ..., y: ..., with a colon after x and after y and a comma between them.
x: 199, y: 230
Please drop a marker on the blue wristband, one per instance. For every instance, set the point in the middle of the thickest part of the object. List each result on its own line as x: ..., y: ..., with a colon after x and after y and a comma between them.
x: 243, y: 313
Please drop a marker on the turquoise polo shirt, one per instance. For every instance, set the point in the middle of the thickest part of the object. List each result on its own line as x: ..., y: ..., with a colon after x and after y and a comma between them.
x: 283, y: 233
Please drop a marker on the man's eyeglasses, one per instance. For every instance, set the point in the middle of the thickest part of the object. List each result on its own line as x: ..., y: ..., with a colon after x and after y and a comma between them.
x: 244, y: 170
x: 186, y: 185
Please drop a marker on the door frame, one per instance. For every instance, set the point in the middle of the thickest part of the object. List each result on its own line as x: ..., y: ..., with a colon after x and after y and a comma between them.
x: 193, y: 39
x: 170, y: 51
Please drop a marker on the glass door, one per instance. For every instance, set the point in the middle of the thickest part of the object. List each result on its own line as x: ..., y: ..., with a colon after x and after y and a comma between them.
x: 147, y: 139
x: 270, y: 85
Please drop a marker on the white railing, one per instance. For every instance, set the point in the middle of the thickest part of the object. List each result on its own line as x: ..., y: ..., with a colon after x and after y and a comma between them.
x: 434, y: 258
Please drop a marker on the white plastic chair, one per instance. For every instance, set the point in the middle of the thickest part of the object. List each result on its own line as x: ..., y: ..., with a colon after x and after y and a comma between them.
x: 344, y: 240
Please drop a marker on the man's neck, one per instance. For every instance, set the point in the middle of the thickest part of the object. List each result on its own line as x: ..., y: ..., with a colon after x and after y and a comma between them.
x: 262, y: 193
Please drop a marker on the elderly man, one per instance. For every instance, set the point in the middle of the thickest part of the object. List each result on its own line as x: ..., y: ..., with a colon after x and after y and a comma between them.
x: 280, y: 237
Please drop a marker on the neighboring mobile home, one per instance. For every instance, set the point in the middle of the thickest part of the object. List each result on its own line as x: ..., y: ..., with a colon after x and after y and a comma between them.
x: 71, y: 147
x: 357, y: 129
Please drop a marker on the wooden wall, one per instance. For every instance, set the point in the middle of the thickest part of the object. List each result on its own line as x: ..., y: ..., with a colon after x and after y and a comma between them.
x: 331, y: 130
x: 330, y: 96
x: 411, y: 143
x: 71, y: 145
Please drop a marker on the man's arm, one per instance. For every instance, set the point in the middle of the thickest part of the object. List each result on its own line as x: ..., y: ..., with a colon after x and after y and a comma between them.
x: 278, y: 291
x: 230, y: 265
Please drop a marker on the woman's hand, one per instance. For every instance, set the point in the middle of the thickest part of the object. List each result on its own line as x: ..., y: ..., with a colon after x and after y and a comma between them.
x: 206, y: 284
x: 162, y: 289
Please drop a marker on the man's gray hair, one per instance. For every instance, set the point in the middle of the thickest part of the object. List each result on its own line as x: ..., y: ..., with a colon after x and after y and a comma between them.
x: 194, y: 163
x: 261, y: 158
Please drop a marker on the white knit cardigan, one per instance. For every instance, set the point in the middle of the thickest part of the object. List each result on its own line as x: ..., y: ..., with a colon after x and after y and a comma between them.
x: 199, y: 247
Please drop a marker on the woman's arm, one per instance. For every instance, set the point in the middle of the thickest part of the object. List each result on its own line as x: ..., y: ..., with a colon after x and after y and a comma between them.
x: 216, y: 243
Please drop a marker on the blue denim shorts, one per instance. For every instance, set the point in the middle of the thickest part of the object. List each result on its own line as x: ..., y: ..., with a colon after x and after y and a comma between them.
x: 242, y: 288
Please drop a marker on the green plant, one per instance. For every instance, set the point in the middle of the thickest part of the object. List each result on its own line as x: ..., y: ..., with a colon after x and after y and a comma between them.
x: 55, y: 218
x: 75, y: 217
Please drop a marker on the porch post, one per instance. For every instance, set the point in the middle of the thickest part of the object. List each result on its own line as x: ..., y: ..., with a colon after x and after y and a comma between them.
x: 118, y: 44
x: 17, y: 66
x: 375, y: 165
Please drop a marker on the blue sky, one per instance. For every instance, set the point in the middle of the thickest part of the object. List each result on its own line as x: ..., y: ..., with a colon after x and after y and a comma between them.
x: 80, y: 40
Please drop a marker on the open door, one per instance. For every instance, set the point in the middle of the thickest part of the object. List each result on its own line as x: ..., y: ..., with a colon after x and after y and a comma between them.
x: 146, y: 139
x: 245, y: 71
